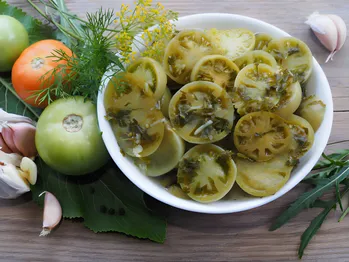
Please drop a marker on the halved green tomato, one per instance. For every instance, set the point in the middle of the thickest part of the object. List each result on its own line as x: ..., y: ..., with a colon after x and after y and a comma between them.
x: 233, y: 42
x: 262, y: 179
x: 302, y: 137
x: 201, y: 112
x: 290, y: 101
x: 255, y: 56
x: 150, y: 76
x: 262, y: 135
x: 206, y: 173
x: 262, y: 41
x: 167, y: 156
x: 125, y: 92
x: 165, y: 102
x: 217, y: 69
x: 256, y: 89
x: 177, y: 191
x: 183, y: 51
x: 313, y: 110
x: 139, y: 132
x: 294, y: 55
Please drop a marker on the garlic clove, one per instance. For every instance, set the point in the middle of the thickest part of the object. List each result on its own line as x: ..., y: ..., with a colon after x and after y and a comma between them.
x: 7, y: 134
x: 12, y: 185
x: 29, y: 170
x: 324, y: 29
x: 52, y: 213
x: 4, y: 146
x: 24, y: 138
x: 12, y: 158
x: 341, y: 30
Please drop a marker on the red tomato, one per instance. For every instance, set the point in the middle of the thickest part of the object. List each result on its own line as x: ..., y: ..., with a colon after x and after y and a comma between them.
x: 32, y: 69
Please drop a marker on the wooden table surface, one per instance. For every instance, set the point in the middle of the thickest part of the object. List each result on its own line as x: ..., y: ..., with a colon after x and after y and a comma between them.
x: 196, y: 237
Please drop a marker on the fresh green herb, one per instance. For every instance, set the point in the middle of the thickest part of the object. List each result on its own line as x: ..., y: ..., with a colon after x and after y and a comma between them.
x: 102, y: 42
x: 330, y: 173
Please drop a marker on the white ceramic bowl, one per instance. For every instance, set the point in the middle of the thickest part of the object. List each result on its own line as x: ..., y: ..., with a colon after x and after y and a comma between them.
x: 317, y: 84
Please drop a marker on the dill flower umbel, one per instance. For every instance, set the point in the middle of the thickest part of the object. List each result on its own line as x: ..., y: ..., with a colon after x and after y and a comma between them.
x: 138, y: 22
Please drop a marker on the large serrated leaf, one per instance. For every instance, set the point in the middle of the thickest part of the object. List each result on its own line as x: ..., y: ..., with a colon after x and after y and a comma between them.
x: 106, y: 200
x: 10, y: 102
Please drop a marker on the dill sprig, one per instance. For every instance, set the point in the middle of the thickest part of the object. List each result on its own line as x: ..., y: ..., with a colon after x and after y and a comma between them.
x: 103, y: 42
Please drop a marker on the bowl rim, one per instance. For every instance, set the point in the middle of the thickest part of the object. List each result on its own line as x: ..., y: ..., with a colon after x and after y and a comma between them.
x: 256, y: 202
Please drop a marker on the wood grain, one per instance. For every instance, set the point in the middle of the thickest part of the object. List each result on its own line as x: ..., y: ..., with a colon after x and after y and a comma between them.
x: 197, y: 237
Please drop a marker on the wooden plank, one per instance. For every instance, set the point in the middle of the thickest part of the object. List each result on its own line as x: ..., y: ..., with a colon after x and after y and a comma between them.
x: 196, y: 237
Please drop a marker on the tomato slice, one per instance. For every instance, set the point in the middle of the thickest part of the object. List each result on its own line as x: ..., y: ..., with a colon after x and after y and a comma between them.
x: 149, y: 75
x: 201, y: 112
x: 183, y: 52
x: 313, y: 110
x: 217, y: 69
x: 262, y: 135
x: 262, y: 179
x: 206, y: 173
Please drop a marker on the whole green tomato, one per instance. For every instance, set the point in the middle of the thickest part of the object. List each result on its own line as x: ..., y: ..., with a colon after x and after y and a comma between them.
x: 68, y: 138
x: 13, y: 40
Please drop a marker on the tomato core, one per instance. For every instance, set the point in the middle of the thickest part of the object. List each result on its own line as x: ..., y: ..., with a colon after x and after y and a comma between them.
x: 73, y: 123
x: 37, y: 63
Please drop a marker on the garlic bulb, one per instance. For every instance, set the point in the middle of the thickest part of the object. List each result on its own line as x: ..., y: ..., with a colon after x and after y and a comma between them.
x: 17, y: 134
x: 16, y: 173
x: 330, y: 30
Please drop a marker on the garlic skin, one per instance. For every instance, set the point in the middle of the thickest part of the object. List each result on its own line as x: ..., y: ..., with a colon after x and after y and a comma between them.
x: 52, y: 213
x: 17, y: 134
x: 330, y: 30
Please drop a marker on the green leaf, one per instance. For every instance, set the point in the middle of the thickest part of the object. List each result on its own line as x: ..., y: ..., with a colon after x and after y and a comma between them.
x: 10, y: 102
x: 308, y: 198
x: 312, y: 229
x: 338, y: 156
x: 36, y: 29
x: 106, y: 200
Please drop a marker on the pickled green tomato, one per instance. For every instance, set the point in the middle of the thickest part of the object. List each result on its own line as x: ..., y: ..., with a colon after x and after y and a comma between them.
x: 313, y: 110
x: 150, y: 76
x: 217, y: 69
x: 139, y: 132
x: 183, y: 52
x: 262, y: 41
x: 125, y: 92
x: 290, y: 101
x: 262, y: 179
x: 262, y: 135
x: 13, y: 40
x: 202, y: 112
x: 232, y: 43
x: 165, y: 102
x: 166, y: 156
x: 255, y: 89
x: 68, y: 138
x: 302, y: 137
x: 255, y: 57
x: 206, y: 173
x: 292, y: 54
